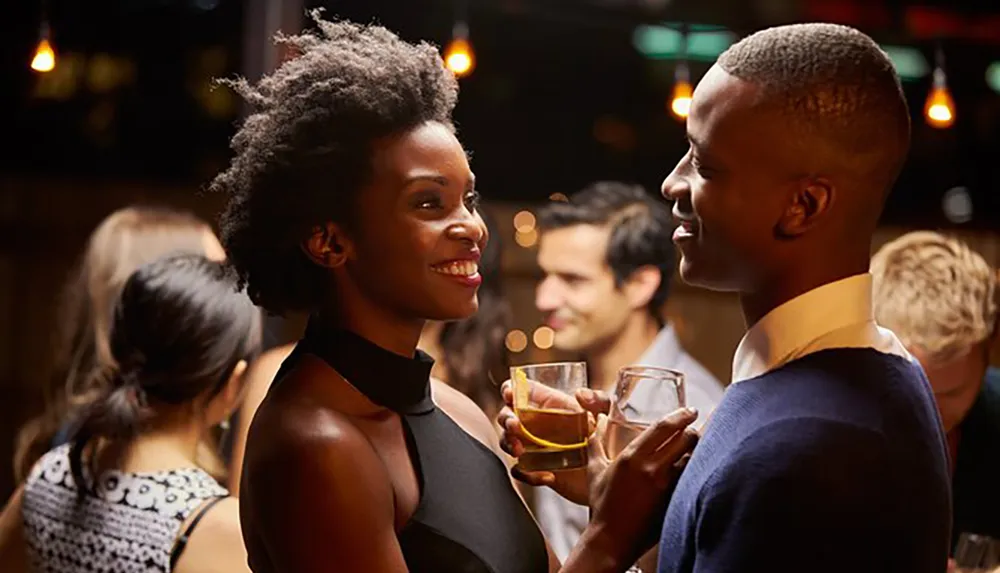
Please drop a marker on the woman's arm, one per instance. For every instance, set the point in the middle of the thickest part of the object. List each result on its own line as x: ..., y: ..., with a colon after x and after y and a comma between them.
x: 258, y: 380
x: 319, y: 500
x: 13, y: 551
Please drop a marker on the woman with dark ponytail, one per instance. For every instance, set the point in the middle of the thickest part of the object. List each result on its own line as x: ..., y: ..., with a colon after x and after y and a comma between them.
x: 123, y: 241
x: 126, y: 493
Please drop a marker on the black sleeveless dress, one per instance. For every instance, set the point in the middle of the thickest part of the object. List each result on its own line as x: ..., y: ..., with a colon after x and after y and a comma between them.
x: 469, y: 518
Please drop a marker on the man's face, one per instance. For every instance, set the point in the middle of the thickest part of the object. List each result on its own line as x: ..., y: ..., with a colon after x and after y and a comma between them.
x: 731, y: 187
x: 578, y: 293
x: 956, y: 382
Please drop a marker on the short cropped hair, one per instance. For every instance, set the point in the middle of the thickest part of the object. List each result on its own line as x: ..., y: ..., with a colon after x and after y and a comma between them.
x: 305, y: 152
x: 935, y: 293
x: 833, y: 83
x: 641, y: 229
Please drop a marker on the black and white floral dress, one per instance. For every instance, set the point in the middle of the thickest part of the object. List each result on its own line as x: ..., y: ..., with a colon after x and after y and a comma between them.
x: 129, y: 523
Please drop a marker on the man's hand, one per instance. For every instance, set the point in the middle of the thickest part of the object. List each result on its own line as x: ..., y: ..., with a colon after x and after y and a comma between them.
x: 574, y: 485
x: 630, y: 498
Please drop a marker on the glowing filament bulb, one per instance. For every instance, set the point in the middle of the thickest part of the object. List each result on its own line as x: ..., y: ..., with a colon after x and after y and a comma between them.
x: 459, y: 57
x: 939, y: 110
x: 45, y: 58
x: 680, y: 99
x: 680, y: 102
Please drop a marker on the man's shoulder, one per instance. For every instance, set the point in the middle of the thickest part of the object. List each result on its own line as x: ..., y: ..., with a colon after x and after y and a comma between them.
x: 794, y: 439
x: 854, y: 362
x: 804, y: 455
x: 856, y: 383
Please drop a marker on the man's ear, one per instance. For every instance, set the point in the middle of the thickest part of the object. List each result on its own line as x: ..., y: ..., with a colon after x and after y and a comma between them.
x: 641, y: 285
x: 327, y: 245
x: 809, y: 202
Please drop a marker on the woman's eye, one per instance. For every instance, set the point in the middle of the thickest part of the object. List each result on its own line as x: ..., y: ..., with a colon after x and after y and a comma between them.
x: 429, y: 203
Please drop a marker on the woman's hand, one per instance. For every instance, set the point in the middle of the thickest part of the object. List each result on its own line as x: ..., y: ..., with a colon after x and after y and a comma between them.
x: 574, y: 485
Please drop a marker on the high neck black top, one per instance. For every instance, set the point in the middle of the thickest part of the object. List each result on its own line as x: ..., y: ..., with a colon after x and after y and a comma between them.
x: 469, y: 518
x: 391, y: 380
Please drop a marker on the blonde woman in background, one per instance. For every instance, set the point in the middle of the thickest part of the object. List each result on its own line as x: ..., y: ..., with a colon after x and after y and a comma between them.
x: 123, y: 241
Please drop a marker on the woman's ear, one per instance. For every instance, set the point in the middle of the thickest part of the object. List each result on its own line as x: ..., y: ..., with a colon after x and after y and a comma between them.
x: 221, y: 407
x: 232, y: 394
x: 327, y: 246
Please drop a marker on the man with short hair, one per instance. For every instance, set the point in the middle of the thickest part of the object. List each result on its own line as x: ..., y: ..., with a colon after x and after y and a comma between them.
x: 827, y: 453
x: 940, y: 298
x: 607, y: 262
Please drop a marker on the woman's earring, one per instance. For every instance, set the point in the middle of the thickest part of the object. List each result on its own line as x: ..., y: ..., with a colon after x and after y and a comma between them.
x: 224, y: 425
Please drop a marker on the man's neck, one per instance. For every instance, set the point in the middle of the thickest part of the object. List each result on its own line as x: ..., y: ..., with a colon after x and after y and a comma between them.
x: 604, y: 362
x: 782, y: 289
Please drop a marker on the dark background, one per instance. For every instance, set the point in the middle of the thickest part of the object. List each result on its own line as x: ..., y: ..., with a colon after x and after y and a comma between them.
x: 548, y: 72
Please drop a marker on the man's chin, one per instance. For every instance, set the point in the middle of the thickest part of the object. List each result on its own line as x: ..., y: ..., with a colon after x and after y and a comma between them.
x: 701, y: 277
x: 566, y: 342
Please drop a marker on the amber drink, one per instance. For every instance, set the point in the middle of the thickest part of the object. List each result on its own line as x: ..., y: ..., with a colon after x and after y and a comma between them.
x: 554, y: 438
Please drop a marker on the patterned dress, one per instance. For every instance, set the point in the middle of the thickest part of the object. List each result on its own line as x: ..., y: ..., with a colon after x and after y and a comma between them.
x: 129, y: 523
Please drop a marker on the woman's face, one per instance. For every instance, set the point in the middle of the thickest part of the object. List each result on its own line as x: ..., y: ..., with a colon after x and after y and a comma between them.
x: 417, y: 244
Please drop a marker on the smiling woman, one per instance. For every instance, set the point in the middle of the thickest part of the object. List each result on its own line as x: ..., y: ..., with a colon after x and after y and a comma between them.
x: 352, y: 200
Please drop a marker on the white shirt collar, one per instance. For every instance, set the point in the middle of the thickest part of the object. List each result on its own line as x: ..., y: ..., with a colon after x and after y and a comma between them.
x: 835, y: 315
x: 664, y: 349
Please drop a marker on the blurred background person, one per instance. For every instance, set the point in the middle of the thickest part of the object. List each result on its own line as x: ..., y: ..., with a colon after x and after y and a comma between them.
x: 127, y: 493
x: 607, y: 260
x: 940, y: 298
x: 125, y: 240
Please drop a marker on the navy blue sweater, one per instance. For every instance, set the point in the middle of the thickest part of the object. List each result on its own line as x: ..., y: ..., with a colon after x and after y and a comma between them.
x: 833, y: 463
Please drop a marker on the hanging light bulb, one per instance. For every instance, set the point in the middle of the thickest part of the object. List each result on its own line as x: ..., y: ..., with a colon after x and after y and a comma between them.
x: 939, y: 109
x: 44, y: 59
x: 458, y: 56
x: 680, y: 99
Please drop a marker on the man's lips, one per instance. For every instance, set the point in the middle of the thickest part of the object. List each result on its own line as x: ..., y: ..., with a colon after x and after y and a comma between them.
x: 686, y: 229
x: 556, y: 322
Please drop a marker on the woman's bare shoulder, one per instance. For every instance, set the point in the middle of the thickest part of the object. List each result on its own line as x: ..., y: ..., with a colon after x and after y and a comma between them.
x: 309, y: 463
x: 298, y: 425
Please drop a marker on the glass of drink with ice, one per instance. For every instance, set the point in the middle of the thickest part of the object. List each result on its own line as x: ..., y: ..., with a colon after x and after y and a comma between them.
x: 554, y: 438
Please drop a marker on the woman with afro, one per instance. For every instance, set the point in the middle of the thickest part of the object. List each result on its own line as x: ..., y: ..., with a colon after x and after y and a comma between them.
x: 352, y: 201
